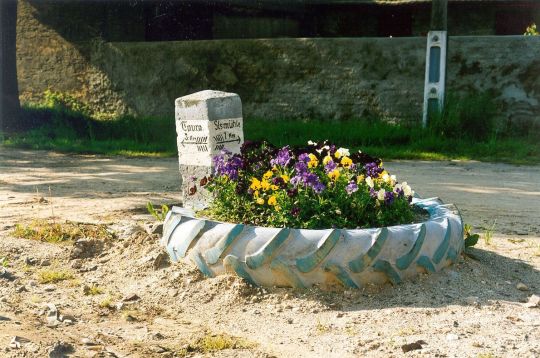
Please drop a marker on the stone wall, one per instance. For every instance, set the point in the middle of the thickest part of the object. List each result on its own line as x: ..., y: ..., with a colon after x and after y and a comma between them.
x: 276, y: 78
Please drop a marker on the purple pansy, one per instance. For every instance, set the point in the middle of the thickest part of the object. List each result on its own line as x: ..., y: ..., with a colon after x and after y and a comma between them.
x: 301, y: 167
x: 304, y: 157
x: 389, y: 198
x: 318, y: 187
x: 373, y: 170
x: 228, y: 166
x: 351, y: 188
x: 331, y: 165
x: 308, y: 179
x: 283, y: 157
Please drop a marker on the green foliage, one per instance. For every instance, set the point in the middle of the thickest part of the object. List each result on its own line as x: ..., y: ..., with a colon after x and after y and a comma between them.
x: 66, y: 102
x: 531, y: 30
x: 4, y: 262
x: 471, y: 116
x: 158, y: 214
x: 64, y: 123
x: 61, y: 123
x: 488, y: 233
x: 470, y: 238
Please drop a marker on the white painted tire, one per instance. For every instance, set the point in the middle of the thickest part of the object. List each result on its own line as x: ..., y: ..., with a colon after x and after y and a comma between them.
x: 302, y: 258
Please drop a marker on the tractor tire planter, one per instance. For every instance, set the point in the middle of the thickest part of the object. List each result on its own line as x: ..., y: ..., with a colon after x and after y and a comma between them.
x: 302, y: 258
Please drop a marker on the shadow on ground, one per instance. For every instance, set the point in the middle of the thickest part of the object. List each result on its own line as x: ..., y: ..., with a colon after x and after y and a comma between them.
x: 485, y: 279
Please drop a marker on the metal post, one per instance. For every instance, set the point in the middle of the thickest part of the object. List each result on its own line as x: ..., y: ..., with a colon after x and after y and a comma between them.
x: 439, y: 10
x: 435, y: 76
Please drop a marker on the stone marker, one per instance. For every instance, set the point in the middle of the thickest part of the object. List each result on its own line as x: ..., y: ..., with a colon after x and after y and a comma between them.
x: 206, y: 123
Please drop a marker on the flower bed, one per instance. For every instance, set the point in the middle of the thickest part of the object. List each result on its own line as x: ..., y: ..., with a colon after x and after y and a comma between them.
x: 319, y: 186
x: 312, y: 216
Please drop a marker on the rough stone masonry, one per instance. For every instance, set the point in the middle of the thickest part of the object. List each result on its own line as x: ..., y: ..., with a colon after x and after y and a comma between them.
x: 206, y: 123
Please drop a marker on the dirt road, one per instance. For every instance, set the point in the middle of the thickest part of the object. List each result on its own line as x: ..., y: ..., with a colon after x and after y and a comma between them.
x: 146, y: 307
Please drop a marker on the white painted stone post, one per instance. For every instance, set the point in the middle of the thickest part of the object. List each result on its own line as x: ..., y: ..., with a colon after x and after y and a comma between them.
x: 206, y: 122
x: 435, y: 77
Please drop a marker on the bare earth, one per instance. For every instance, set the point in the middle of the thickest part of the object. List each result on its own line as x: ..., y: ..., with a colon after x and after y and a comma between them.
x: 156, y: 309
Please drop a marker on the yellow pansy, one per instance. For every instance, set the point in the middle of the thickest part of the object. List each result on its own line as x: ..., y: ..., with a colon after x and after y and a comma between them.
x: 277, y: 207
x: 285, y: 178
x: 326, y: 159
x: 274, y: 187
x: 313, y: 161
x: 260, y: 201
x: 360, y: 179
x: 272, y: 200
x: 256, y: 193
x: 346, y: 162
x: 255, y: 184
x: 334, y: 174
x: 265, y: 185
x: 268, y: 175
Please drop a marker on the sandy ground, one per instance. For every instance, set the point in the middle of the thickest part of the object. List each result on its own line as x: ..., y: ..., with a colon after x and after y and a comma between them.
x: 150, y: 308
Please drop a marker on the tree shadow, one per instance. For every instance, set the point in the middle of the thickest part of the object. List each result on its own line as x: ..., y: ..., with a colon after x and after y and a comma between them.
x: 85, y: 176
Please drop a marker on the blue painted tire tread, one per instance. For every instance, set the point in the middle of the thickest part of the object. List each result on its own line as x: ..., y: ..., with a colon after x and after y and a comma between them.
x: 269, y: 263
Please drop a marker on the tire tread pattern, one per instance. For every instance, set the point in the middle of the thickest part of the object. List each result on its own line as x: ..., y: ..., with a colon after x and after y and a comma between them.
x: 271, y: 257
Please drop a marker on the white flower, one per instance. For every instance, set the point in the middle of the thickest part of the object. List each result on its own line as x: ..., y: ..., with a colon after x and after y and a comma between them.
x: 397, y: 188
x: 393, y: 180
x: 310, y: 142
x: 369, y: 182
x: 380, y: 194
x: 343, y: 152
x: 406, y: 189
x: 386, y: 177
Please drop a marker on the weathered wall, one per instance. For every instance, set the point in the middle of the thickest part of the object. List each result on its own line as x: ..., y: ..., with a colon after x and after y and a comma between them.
x: 277, y: 78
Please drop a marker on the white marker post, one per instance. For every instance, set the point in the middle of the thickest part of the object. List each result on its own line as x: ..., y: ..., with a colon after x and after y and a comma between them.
x: 206, y: 122
x: 435, y: 77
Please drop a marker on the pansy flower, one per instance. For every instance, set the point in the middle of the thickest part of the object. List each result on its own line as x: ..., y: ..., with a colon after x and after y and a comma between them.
x: 283, y: 157
x: 346, y: 162
x: 351, y: 188
x: 334, y: 174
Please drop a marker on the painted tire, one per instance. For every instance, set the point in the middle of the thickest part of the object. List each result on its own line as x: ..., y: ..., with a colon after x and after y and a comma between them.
x: 302, y: 258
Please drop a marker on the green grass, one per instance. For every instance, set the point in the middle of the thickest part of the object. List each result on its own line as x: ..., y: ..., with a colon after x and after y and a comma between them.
x: 218, y: 342
x: 52, y: 276
x: 60, y: 233
x: 64, y: 130
x: 92, y: 290
x: 67, y: 131
x: 390, y: 141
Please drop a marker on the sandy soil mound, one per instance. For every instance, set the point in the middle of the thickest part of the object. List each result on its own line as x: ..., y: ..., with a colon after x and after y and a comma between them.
x: 118, y: 296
